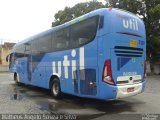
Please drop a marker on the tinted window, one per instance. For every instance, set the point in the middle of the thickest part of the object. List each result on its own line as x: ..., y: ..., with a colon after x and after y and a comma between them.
x: 27, y: 48
x: 20, y: 49
x: 73, y: 36
x: 45, y: 43
x: 61, y: 39
x: 34, y: 46
x: 83, y: 32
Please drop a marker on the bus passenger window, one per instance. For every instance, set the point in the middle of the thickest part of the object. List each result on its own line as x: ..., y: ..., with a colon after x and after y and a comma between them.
x: 61, y: 40
x: 83, y: 32
x: 45, y: 43
x: 81, y: 41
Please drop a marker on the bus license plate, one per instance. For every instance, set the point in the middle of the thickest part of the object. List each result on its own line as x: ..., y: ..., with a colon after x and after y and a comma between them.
x: 130, y: 89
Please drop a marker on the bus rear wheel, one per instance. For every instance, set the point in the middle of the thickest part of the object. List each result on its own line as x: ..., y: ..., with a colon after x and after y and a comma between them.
x: 56, y: 89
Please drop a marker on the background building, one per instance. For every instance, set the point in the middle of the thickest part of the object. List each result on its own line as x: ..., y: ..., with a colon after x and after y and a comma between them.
x: 4, y: 51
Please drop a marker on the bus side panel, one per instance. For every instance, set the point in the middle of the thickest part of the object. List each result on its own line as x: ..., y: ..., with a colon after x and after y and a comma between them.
x: 82, y: 76
x: 106, y: 91
x: 39, y: 77
x: 23, y: 70
x: 19, y: 67
x: 55, y: 64
x: 88, y: 74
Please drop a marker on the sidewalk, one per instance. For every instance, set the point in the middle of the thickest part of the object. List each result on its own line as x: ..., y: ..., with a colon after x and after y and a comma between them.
x: 4, y: 68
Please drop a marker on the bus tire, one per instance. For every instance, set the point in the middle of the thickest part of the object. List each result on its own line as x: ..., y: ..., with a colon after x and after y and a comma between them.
x: 55, y: 88
x: 16, y: 78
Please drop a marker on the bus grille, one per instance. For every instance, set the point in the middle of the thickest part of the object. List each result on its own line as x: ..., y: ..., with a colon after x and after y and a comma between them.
x: 123, y: 51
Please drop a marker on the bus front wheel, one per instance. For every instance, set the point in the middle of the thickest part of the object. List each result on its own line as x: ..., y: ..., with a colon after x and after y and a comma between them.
x: 55, y: 88
x: 16, y: 78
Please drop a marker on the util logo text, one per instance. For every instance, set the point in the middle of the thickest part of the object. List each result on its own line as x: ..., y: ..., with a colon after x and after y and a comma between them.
x: 59, y: 65
x: 130, y: 24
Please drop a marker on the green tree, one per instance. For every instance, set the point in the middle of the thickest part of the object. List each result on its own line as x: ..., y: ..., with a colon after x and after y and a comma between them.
x: 79, y: 9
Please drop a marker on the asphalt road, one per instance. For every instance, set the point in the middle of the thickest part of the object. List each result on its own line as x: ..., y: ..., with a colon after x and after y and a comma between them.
x: 33, y: 100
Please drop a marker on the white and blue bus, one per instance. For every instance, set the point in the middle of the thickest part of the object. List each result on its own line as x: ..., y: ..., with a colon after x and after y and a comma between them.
x: 99, y: 55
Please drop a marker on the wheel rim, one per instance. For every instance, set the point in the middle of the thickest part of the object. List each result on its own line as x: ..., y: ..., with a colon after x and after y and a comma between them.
x: 55, y: 89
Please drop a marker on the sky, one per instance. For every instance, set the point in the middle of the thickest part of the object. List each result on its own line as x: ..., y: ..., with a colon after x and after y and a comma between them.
x: 20, y: 19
